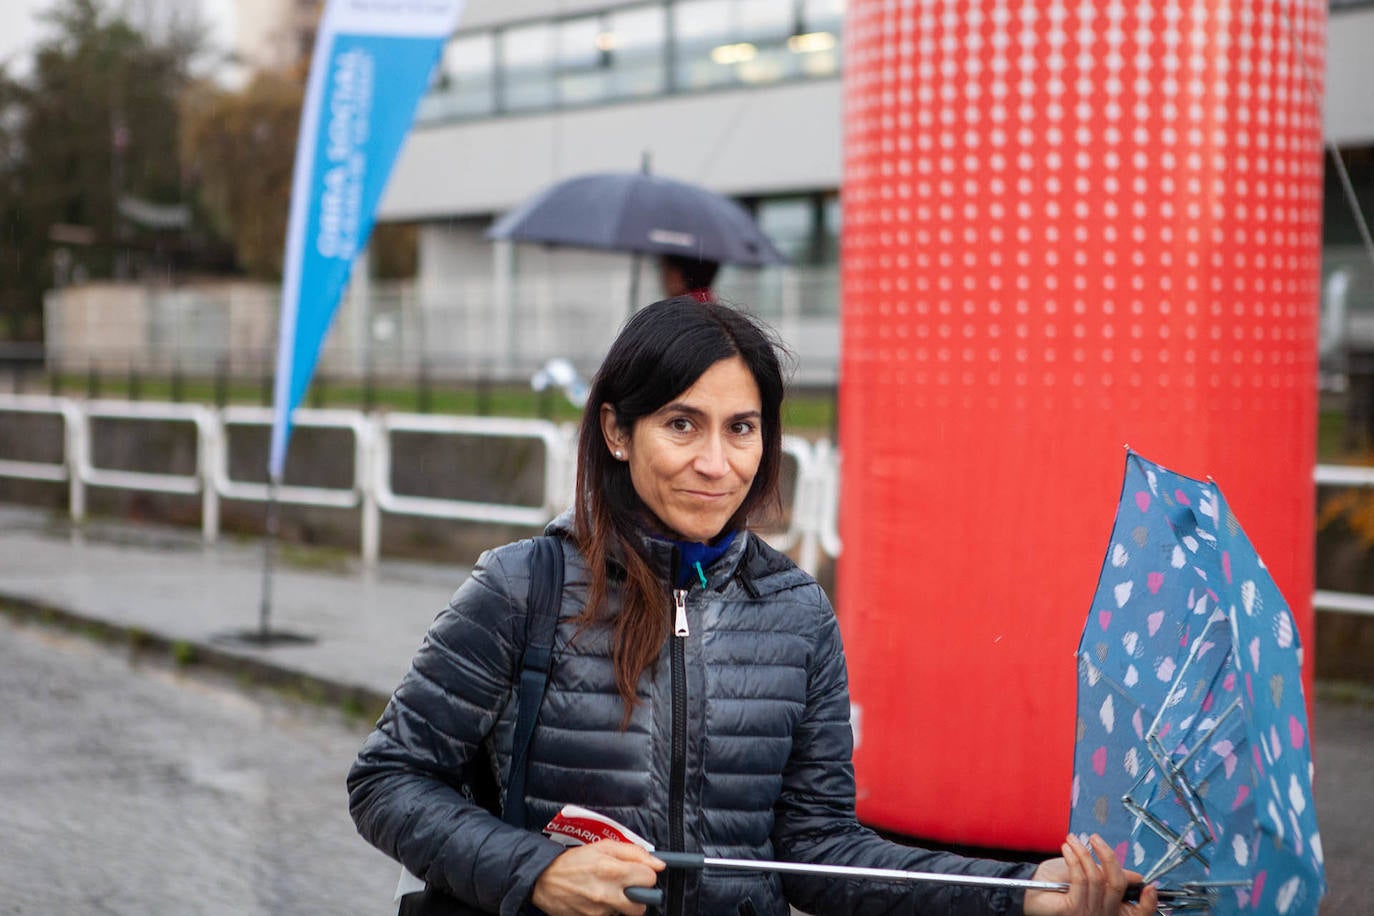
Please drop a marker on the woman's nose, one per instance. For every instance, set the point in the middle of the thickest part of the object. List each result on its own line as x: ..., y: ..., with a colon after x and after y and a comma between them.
x: 710, y: 458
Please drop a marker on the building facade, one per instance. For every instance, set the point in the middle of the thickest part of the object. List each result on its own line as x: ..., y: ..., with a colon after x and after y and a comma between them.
x: 742, y: 96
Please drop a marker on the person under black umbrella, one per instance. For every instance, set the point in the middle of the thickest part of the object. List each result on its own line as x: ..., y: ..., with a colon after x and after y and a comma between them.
x: 685, y: 276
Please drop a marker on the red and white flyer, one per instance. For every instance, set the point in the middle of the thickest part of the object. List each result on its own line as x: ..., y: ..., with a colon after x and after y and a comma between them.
x: 576, y: 826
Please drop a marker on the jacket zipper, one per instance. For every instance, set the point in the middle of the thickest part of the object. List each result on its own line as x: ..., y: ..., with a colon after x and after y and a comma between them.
x: 677, y: 780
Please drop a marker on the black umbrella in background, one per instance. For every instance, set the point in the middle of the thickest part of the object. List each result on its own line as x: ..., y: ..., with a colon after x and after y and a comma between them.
x: 643, y: 214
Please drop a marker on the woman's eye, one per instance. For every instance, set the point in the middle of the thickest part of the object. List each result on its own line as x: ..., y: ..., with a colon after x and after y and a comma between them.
x: 743, y: 428
x: 680, y: 424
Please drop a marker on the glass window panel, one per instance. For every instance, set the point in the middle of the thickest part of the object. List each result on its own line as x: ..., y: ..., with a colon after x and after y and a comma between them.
x: 577, y: 42
x: 768, y: 64
x: 583, y: 64
x: 765, y: 24
x: 637, y: 30
x: 831, y: 216
x: 637, y: 39
x: 467, y: 80
x: 771, y: 18
x: 527, y: 54
x: 817, y: 49
x: 702, y: 20
x: 823, y: 16
x: 788, y: 222
x: 469, y: 55
x: 707, y: 51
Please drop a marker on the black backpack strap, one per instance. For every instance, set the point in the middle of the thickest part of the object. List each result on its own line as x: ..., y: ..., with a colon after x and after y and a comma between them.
x: 541, y: 621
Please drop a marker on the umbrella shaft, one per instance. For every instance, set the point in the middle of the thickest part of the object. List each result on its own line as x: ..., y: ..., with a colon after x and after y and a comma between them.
x: 890, y: 874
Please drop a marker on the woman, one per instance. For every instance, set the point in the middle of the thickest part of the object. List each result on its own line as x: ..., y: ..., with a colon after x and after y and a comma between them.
x: 699, y: 692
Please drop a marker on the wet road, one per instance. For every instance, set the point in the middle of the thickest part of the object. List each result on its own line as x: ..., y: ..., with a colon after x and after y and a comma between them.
x: 131, y: 789
x: 1343, y: 746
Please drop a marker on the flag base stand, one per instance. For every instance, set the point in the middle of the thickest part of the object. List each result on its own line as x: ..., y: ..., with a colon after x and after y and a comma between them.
x: 258, y: 639
x: 264, y: 635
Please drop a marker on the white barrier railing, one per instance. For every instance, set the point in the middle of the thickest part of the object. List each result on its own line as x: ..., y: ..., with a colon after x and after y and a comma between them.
x: 359, y: 494
x: 812, y: 527
x: 197, y: 482
x: 555, y: 443
x: 1343, y: 476
x: 57, y: 471
x: 812, y: 530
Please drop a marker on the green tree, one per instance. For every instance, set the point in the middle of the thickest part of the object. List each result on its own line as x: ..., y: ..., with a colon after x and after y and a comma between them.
x: 95, y: 120
x: 22, y: 267
x: 240, y: 148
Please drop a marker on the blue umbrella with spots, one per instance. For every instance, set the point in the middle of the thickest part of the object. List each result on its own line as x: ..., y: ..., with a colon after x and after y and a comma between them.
x: 1192, y: 751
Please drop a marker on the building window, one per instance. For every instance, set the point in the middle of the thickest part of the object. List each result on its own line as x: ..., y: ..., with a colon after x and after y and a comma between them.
x: 623, y: 52
x: 466, y: 83
x: 527, y: 55
x: 584, y: 61
x: 705, y: 51
x: 806, y: 228
x: 816, y: 45
x: 790, y: 223
x: 731, y: 42
x: 638, y: 46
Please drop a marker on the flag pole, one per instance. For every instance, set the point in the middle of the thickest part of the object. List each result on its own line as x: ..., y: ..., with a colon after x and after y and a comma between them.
x: 269, y: 556
x: 353, y: 121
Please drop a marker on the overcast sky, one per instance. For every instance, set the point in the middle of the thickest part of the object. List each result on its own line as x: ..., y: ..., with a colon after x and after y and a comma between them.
x: 20, y: 29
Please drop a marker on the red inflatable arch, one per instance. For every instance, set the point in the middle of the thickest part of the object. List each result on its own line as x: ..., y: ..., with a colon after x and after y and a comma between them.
x: 1068, y: 226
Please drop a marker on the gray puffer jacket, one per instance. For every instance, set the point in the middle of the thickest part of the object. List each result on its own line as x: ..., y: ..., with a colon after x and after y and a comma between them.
x: 740, y: 747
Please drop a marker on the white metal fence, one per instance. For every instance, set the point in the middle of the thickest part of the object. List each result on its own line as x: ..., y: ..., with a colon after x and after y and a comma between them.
x: 811, y: 528
x: 813, y: 501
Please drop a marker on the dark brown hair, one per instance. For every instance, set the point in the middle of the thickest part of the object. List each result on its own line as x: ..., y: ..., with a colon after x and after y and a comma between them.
x: 660, y: 353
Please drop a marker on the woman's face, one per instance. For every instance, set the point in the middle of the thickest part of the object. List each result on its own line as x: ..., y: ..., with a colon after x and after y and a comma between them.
x: 693, y: 460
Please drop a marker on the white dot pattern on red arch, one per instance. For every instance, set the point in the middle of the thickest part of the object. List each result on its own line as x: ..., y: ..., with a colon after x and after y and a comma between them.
x: 1095, y: 149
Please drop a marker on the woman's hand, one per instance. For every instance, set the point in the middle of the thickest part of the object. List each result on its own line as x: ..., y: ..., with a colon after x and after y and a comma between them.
x: 591, y: 880
x: 1093, y: 890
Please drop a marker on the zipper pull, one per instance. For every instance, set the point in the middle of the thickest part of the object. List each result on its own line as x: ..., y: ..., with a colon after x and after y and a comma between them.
x: 680, y: 618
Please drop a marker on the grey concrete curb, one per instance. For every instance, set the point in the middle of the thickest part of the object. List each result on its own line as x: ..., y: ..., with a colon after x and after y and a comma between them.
x: 205, y: 656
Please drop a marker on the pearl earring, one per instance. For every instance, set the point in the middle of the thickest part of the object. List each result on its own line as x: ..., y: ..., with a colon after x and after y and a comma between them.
x: 619, y: 454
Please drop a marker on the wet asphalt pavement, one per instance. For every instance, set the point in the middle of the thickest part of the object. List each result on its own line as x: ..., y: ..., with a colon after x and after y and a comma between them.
x: 132, y: 789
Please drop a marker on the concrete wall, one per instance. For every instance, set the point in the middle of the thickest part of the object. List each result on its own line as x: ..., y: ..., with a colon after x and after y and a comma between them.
x: 1348, y: 118
x: 746, y: 141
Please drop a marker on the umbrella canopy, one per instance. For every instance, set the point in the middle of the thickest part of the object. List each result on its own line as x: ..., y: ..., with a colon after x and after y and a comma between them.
x: 1192, y: 748
x: 640, y: 212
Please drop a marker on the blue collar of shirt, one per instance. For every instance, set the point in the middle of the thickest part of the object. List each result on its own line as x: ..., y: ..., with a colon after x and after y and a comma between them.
x: 695, y: 558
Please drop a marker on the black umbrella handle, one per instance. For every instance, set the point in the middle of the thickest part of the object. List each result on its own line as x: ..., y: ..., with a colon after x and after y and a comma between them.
x: 649, y: 896
x: 652, y: 896
x: 683, y: 859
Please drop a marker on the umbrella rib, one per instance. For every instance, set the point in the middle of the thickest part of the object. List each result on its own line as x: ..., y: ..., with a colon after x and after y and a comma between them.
x: 1182, y: 674
x: 1203, y: 739
x: 1171, y: 775
x: 1142, y: 810
x: 1177, y: 851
